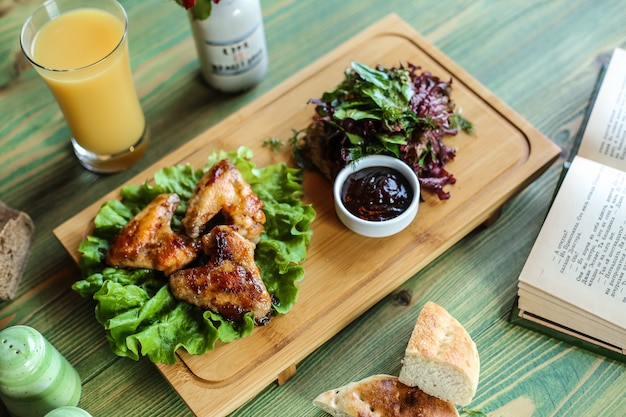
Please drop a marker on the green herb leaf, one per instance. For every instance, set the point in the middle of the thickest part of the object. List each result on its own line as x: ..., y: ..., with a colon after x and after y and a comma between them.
x: 202, y: 9
x: 470, y: 412
x: 274, y: 144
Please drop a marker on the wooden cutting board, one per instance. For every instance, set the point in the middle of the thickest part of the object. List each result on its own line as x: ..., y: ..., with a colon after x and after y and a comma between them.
x: 346, y: 273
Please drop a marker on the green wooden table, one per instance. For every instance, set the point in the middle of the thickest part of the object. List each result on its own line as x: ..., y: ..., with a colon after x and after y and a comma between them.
x: 540, y: 57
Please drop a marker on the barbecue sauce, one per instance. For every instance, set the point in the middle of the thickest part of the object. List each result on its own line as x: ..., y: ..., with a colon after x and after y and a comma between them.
x: 376, y: 193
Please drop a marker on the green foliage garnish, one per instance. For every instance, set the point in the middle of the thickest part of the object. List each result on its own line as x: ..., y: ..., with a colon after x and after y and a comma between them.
x: 398, y: 111
x: 470, y: 412
x: 200, y: 9
x: 274, y: 144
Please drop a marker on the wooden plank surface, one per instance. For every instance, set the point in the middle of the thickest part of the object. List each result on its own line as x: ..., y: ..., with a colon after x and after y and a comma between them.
x: 541, y: 58
x: 504, y: 156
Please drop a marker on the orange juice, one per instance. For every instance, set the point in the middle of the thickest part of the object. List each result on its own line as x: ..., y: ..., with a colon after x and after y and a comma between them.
x: 83, y: 57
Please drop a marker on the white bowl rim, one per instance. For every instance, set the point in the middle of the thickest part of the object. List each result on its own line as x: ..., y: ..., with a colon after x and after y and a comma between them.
x: 372, y: 161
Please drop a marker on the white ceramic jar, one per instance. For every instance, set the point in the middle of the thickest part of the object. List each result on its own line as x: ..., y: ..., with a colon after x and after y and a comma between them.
x: 231, y: 45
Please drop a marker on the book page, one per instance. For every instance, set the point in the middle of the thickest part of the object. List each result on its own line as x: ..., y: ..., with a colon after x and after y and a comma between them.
x: 580, y: 253
x: 604, y: 139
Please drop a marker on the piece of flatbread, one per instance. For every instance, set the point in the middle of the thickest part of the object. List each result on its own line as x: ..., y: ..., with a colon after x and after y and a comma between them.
x: 441, y: 358
x: 382, y: 396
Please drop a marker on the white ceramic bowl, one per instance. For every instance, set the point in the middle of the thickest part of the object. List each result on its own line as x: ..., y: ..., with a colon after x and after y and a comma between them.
x: 374, y: 228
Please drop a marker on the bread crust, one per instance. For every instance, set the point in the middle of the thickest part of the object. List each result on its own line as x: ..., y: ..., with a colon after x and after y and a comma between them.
x: 439, y: 339
x: 16, y: 234
x: 382, y: 396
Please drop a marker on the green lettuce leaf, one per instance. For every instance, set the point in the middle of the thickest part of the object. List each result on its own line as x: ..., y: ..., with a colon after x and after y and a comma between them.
x: 136, y: 307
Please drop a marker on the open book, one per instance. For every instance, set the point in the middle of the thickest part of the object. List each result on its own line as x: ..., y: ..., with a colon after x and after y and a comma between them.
x: 573, y: 284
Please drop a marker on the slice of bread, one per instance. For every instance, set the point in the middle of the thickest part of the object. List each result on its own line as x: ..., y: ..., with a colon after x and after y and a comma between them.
x: 16, y: 234
x: 441, y: 358
x: 382, y: 396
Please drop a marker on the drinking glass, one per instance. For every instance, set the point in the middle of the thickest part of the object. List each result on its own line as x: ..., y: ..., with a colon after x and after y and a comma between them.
x: 80, y: 49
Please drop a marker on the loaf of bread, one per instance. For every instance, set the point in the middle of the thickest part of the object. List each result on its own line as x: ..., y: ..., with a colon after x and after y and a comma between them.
x: 16, y: 235
x: 382, y: 396
x: 441, y: 358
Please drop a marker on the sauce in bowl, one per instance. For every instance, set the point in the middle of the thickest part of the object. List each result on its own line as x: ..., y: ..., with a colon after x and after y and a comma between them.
x: 376, y: 193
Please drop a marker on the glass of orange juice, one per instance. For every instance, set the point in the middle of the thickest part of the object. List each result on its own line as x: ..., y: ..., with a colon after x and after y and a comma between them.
x: 80, y: 49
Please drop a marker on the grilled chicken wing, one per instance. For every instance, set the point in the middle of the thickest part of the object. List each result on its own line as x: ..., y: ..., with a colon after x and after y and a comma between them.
x: 148, y: 241
x: 230, y: 283
x: 223, y: 189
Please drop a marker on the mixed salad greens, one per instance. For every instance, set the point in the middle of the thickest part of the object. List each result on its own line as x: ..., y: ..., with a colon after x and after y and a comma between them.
x: 135, y: 306
x: 397, y: 111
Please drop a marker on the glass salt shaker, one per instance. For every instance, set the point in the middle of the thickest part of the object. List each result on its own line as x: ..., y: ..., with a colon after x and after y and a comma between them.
x: 34, y: 377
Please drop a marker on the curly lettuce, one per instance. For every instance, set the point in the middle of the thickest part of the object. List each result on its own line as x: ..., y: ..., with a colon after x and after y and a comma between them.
x: 136, y: 307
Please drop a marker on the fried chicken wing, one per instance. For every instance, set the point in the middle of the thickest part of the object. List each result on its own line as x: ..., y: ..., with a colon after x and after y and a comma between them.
x: 148, y: 241
x: 230, y: 283
x: 223, y: 189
